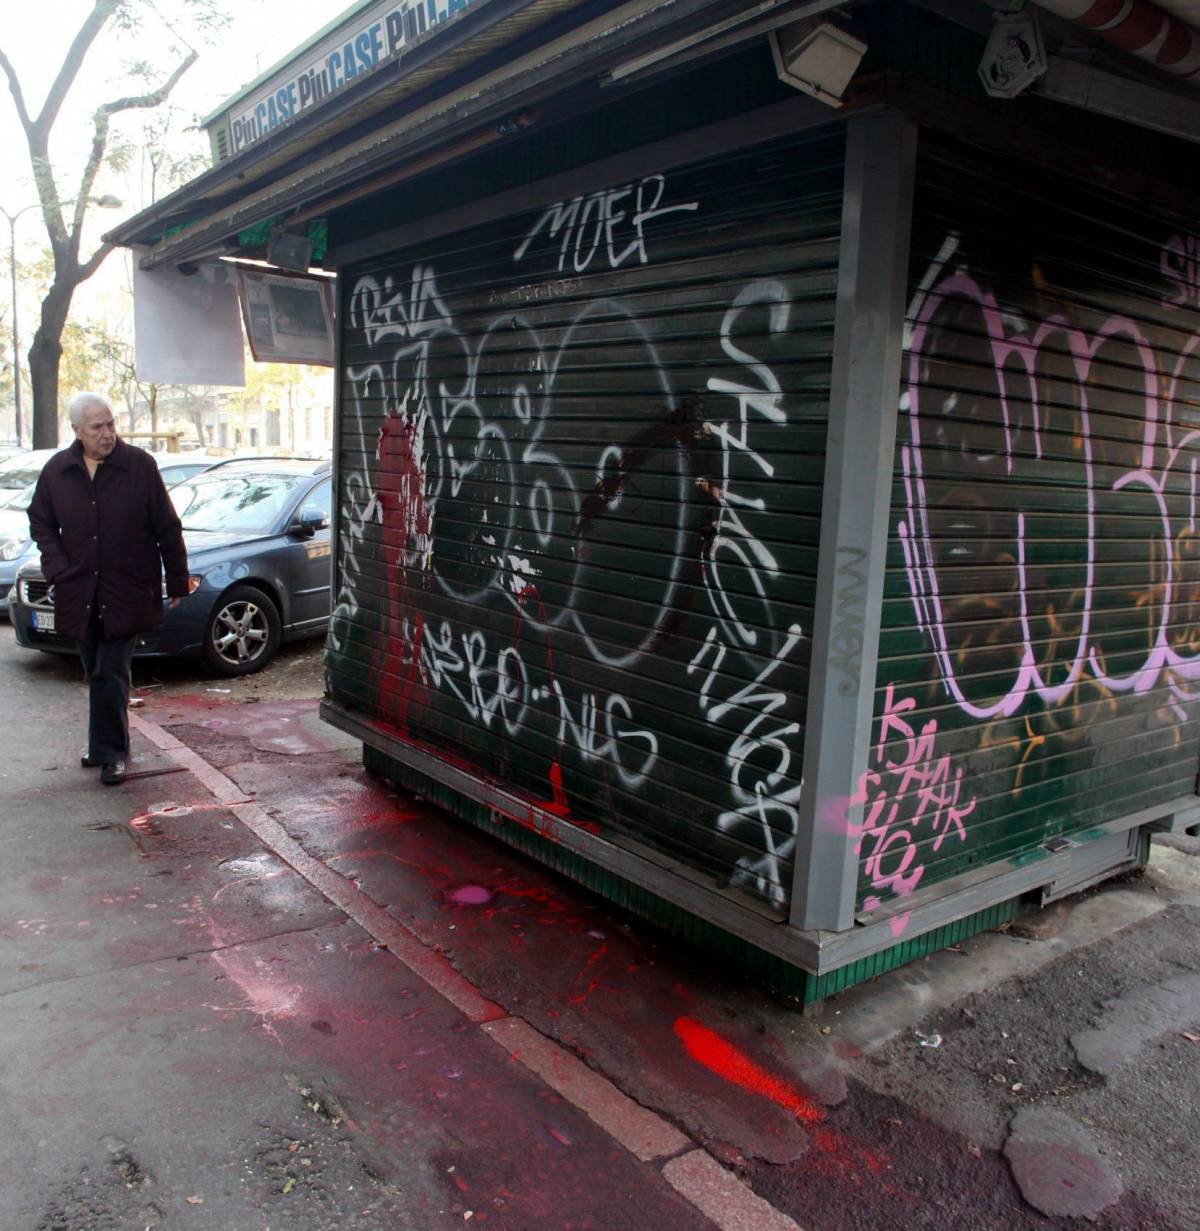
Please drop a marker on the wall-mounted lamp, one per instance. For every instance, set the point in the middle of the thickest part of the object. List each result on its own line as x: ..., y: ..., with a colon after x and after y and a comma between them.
x: 817, y: 57
x: 289, y: 251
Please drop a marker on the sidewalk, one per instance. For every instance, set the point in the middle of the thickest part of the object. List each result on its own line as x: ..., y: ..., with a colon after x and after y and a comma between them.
x: 257, y: 988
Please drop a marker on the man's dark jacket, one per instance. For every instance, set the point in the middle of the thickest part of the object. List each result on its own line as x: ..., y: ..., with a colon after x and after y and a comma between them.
x: 102, y: 539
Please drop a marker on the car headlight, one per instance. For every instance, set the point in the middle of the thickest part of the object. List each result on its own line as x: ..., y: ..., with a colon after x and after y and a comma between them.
x: 194, y: 580
x: 13, y: 545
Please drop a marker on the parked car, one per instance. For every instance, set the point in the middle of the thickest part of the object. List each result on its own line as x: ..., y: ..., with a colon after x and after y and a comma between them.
x: 23, y: 468
x: 15, y: 543
x: 258, y: 541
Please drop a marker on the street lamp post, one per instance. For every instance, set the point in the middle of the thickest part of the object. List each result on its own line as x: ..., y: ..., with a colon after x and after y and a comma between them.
x: 108, y: 201
x: 16, y: 336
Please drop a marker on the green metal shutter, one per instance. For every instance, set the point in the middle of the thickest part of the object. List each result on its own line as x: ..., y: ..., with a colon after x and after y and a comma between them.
x: 1040, y: 655
x: 580, y: 481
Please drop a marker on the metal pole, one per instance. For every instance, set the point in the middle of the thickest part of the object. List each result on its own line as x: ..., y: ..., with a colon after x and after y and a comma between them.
x: 105, y: 202
x: 859, y: 459
x: 12, y: 269
x: 16, y: 325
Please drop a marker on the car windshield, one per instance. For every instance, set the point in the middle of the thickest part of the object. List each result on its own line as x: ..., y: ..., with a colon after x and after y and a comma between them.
x: 18, y: 500
x: 18, y: 476
x: 237, y: 504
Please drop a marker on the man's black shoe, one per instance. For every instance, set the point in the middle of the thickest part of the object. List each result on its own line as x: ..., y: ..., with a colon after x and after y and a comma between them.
x: 113, y: 773
x: 90, y: 762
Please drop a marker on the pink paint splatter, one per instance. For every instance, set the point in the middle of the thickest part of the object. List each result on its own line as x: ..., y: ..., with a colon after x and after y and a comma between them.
x: 470, y: 895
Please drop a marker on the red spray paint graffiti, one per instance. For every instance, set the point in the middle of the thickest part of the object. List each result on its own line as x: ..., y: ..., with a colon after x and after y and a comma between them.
x: 721, y: 1057
x: 407, y: 527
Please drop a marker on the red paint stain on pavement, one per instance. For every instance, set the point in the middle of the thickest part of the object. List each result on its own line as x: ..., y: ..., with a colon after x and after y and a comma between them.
x: 848, y: 1157
x: 721, y: 1057
x: 581, y: 996
x: 834, y: 1151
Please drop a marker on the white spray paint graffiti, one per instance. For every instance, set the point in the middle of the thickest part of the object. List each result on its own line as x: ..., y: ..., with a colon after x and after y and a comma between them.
x: 765, y: 790
x: 474, y: 504
x: 591, y: 225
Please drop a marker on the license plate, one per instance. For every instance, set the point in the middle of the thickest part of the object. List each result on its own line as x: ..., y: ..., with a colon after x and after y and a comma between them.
x: 43, y: 621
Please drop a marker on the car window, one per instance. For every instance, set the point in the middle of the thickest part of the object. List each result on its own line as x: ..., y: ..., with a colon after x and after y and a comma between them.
x: 238, y: 504
x: 185, y: 470
x: 320, y: 499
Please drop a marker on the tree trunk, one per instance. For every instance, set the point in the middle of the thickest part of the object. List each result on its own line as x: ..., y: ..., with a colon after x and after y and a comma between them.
x: 44, y: 355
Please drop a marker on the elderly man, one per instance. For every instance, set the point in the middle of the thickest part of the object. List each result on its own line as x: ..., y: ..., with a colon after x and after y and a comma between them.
x: 103, y: 521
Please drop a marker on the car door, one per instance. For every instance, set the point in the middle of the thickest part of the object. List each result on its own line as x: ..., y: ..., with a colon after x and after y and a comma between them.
x: 314, y: 579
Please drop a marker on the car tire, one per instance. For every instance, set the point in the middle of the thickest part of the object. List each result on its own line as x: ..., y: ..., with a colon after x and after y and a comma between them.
x: 242, y: 633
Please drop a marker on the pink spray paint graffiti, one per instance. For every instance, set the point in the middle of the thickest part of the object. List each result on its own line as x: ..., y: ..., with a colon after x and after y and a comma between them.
x: 909, y: 804
x: 1047, y: 377
x: 912, y: 802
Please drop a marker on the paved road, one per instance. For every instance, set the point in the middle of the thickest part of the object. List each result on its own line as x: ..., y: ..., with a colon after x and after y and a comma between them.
x: 257, y: 988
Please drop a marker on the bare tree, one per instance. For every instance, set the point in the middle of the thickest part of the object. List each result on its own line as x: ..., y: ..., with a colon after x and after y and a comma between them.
x: 64, y: 219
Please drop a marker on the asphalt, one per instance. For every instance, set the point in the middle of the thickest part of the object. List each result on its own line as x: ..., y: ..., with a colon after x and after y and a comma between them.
x: 256, y: 987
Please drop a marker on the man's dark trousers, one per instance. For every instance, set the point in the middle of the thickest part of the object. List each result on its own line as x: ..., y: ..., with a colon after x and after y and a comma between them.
x: 106, y: 666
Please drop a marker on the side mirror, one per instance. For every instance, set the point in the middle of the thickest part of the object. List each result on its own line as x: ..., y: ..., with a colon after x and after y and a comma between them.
x: 308, y: 523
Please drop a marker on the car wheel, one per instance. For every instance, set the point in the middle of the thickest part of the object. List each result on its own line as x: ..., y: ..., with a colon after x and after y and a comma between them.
x: 243, y: 632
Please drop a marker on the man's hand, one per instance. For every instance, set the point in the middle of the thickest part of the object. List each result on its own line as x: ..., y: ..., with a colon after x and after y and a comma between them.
x: 174, y: 602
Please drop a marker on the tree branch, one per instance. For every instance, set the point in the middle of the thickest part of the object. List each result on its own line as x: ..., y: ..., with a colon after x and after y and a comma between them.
x: 155, y: 96
x: 39, y: 161
x: 100, y: 136
x: 93, y: 23
x: 88, y: 178
x: 14, y: 87
x: 94, y: 262
x: 37, y: 131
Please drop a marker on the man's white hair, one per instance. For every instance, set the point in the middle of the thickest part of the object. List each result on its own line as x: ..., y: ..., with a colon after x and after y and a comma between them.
x: 81, y: 403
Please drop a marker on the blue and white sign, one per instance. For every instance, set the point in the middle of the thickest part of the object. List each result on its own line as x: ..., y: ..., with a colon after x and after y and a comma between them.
x: 337, y: 62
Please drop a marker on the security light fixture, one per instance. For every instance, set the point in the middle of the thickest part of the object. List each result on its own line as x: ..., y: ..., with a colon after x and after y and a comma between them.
x: 817, y: 57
